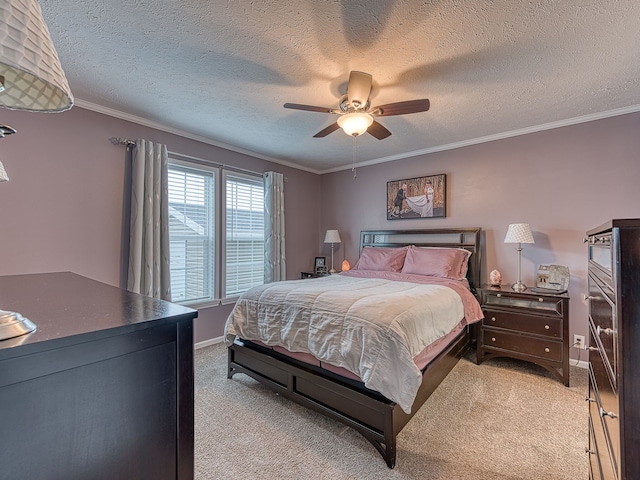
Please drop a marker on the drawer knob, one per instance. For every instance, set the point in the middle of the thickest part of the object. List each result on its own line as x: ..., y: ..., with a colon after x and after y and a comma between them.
x: 498, y: 295
x: 547, y: 349
x: 546, y: 327
x: 606, y: 331
x: 493, y: 339
x: 603, y: 412
x: 541, y: 300
x: 493, y: 319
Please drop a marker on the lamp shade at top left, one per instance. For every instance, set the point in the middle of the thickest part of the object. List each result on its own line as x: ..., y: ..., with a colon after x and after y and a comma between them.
x: 32, y: 76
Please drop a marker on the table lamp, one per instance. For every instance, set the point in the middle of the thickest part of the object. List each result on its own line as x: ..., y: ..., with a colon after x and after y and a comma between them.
x: 332, y: 236
x: 519, y: 233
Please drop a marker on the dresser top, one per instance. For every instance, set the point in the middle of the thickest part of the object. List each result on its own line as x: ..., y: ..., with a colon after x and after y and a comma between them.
x: 64, y: 305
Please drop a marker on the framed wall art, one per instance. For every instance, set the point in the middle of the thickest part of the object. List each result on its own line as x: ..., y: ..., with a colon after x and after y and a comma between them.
x: 420, y: 197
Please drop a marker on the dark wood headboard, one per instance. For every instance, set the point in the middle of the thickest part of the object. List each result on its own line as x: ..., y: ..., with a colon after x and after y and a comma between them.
x: 467, y: 238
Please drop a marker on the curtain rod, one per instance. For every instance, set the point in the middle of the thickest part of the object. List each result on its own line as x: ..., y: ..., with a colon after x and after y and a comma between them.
x: 130, y: 143
x: 122, y: 141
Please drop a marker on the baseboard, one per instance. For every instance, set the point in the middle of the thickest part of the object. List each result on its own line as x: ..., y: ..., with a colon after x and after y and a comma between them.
x: 206, y: 343
x: 579, y: 363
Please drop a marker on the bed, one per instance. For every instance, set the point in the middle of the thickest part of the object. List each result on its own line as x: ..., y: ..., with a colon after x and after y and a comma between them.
x: 344, y: 395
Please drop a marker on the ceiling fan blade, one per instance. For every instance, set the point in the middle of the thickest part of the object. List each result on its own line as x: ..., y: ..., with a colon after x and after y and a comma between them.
x: 378, y: 131
x: 326, y: 131
x: 309, y: 108
x: 358, y: 89
x: 401, y: 108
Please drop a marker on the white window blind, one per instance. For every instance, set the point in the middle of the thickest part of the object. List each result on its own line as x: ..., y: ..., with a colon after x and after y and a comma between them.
x: 244, y: 239
x: 191, y: 233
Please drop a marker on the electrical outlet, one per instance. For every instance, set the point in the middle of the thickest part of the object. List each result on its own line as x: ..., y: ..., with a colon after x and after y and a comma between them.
x: 579, y: 342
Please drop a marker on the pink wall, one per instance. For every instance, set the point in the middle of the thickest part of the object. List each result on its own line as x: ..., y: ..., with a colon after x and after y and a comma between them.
x: 563, y: 182
x: 62, y: 208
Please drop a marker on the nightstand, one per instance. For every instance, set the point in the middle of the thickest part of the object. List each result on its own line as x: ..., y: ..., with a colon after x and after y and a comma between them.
x: 311, y: 275
x: 528, y: 326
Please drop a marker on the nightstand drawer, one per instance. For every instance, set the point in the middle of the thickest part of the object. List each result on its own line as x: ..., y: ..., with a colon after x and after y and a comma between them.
x: 537, y: 347
x: 531, y: 302
x: 539, y: 325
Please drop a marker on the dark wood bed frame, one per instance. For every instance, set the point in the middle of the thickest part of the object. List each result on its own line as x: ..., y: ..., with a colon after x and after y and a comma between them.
x: 377, y: 418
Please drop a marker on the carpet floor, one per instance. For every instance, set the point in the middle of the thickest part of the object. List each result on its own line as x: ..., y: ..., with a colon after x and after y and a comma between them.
x: 502, y: 420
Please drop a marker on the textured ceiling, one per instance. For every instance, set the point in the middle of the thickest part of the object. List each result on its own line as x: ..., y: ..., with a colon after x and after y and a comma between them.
x: 221, y: 70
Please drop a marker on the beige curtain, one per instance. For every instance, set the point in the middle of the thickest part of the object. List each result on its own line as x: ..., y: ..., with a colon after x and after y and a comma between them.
x: 148, y: 271
x: 275, y: 266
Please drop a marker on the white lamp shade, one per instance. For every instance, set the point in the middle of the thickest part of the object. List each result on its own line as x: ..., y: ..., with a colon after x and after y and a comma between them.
x: 33, y: 77
x: 332, y: 236
x: 355, y: 123
x: 519, y: 233
x: 3, y: 174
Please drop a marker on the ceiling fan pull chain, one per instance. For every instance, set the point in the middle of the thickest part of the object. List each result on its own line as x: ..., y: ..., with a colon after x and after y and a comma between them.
x: 355, y: 148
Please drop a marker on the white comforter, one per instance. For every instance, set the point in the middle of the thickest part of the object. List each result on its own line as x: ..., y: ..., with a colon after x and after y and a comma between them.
x: 373, y: 327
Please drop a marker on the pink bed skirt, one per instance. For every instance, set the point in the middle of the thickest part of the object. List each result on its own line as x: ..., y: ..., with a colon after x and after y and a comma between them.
x: 421, y: 360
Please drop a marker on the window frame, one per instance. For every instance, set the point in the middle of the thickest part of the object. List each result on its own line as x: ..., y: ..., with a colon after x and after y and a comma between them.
x: 215, y: 297
x: 219, y: 228
x: 223, y: 223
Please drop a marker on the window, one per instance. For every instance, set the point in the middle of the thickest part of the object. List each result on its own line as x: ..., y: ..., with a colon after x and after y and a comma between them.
x: 201, y: 223
x: 244, y: 245
x: 191, y: 233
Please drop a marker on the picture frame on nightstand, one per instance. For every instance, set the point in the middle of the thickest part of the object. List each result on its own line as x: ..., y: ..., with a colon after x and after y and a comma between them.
x: 320, y: 266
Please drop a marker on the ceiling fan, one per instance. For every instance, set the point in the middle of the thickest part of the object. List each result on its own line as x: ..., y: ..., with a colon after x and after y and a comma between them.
x: 355, y: 115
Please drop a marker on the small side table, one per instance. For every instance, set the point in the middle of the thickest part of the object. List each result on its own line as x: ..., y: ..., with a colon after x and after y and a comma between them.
x: 311, y: 275
x: 528, y: 326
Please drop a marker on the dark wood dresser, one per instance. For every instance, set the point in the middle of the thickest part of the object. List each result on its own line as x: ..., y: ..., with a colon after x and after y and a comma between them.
x: 614, y: 350
x: 527, y: 326
x: 103, y: 389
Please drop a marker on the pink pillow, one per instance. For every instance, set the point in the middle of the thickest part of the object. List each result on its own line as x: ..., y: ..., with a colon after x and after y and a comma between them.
x: 437, y: 262
x: 381, y: 258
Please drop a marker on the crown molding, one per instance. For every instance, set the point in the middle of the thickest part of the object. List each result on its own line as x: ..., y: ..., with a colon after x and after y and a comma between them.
x: 439, y: 148
x: 498, y: 136
x: 181, y: 133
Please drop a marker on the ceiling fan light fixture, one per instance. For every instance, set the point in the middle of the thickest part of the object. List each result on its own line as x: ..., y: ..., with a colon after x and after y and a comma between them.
x: 356, y: 123
x: 355, y: 116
